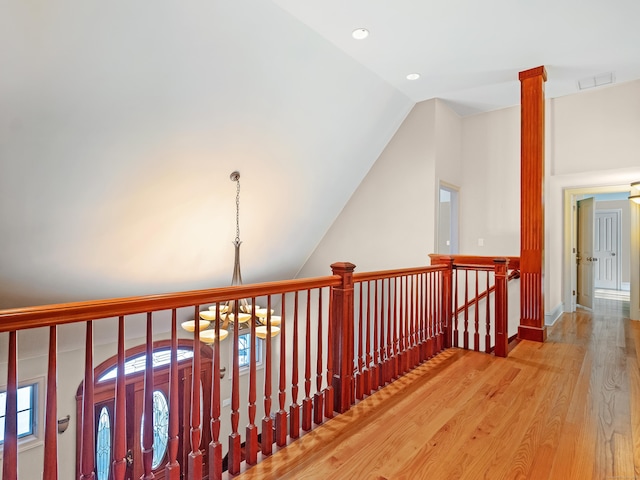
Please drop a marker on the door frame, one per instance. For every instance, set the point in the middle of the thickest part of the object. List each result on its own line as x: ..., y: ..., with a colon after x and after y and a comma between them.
x: 569, y: 258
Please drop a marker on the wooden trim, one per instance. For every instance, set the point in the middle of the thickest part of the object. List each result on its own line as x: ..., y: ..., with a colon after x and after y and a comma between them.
x: 63, y: 313
x: 532, y: 119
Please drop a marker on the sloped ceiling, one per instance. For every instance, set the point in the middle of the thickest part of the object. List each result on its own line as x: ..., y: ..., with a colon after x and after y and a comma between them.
x: 120, y: 123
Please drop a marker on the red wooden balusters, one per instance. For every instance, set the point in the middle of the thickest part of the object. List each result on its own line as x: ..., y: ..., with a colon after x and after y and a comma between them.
x: 194, y: 463
x: 251, y: 441
x: 359, y: 378
x: 501, y: 307
x: 235, y: 442
x: 328, y: 391
x: 172, y: 469
x: 390, y: 335
x: 456, y: 315
x: 147, y: 431
x: 120, y: 413
x: 306, y: 402
x: 466, y: 310
x: 215, y: 447
x: 318, y: 397
x: 487, y: 314
x: 367, y: 364
x: 294, y: 409
x: 50, y: 471
x: 267, y: 422
x: 281, y: 414
x: 10, y: 446
x: 87, y: 453
x: 476, y: 308
x: 378, y: 341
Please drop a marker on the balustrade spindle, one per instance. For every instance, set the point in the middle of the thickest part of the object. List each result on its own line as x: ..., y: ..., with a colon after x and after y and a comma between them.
x: 328, y: 391
x: 367, y: 364
x: 318, y: 397
x: 391, y: 307
x: 466, y: 310
x: 87, y: 454
x: 441, y: 312
x: 147, y: 412
x: 50, y: 471
x: 120, y: 412
x: 429, y: 315
x: 402, y: 348
x: 235, y: 443
x: 215, y: 446
x: 359, y: 377
x: 476, y: 334
x: 456, y: 339
x: 251, y: 440
x: 10, y: 445
x: 378, y: 341
x: 267, y: 422
x: 307, y: 402
x: 294, y: 409
x: 414, y: 324
x: 281, y: 414
x: 487, y: 336
x: 421, y: 331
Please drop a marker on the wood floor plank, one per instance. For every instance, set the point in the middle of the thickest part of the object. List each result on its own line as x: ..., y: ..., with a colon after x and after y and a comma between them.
x: 565, y: 409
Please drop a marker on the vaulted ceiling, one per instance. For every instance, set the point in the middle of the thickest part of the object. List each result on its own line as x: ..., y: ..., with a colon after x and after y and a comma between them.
x: 120, y: 122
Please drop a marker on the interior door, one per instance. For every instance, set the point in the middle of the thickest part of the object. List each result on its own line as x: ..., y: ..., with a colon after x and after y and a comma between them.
x: 584, y: 258
x: 605, y: 250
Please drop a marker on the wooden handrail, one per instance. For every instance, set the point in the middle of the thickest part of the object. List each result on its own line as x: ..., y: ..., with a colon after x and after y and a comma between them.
x: 63, y: 313
x: 436, y: 258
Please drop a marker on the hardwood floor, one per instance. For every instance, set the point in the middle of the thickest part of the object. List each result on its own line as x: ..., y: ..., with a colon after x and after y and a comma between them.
x: 565, y: 409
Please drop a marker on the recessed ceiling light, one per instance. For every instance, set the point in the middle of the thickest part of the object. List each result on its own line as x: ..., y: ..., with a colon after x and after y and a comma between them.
x: 360, y: 33
x: 413, y: 76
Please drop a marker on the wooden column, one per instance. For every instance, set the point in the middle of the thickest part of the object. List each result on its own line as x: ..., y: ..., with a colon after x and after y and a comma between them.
x: 532, y: 205
x: 342, y: 333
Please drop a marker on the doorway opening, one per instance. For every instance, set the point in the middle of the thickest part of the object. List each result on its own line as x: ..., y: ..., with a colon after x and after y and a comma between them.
x: 447, y: 237
x: 604, y: 271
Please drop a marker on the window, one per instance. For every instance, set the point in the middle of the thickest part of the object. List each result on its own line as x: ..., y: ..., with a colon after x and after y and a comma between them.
x: 138, y: 363
x: 27, y: 396
x: 244, y: 350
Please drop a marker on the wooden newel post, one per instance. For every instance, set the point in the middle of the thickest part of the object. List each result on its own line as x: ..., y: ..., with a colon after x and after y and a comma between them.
x: 501, y: 307
x: 342, y: 333
x: 446, y: 307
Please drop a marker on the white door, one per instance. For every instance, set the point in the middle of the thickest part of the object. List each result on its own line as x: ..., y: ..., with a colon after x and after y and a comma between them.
x: 584, y: 258
x: 605, y: 249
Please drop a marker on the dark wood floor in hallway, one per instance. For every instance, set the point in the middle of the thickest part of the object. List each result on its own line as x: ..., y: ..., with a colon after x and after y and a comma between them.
x: 565, y: 409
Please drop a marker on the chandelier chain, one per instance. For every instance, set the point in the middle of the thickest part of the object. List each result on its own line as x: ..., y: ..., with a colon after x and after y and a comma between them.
x: 238, y: 211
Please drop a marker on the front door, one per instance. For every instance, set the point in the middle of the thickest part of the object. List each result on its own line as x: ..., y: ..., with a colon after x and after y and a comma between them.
x: 584, y: 258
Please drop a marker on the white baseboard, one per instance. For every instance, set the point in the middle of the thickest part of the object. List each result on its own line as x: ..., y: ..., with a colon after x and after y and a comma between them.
x: 551, y: 317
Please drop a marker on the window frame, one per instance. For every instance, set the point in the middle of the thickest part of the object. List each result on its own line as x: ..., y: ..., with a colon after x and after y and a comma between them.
x: 36, y: 437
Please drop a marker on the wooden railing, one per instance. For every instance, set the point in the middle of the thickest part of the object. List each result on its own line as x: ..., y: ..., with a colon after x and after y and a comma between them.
x: 342, y: 337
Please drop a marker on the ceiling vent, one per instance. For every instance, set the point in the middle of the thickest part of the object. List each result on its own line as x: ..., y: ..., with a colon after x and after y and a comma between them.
x: 596, y: 81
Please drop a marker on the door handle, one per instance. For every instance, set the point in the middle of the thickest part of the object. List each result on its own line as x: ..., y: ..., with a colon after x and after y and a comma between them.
x: 613, y: 254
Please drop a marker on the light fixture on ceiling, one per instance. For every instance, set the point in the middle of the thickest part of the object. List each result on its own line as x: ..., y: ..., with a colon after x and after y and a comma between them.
x: 360, y: 33
x: 226, y: 313
x: 413, y: 76
x: 635, y: 198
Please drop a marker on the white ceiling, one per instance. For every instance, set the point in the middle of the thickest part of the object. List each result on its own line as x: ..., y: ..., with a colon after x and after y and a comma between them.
x: 121, y: 121
x: 469, y: 52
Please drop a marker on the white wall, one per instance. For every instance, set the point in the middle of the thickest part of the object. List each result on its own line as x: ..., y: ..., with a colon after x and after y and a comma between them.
x: 389, y: 221
x: 591, y: 140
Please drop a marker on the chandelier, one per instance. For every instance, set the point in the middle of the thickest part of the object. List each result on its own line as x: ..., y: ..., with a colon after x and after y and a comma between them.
x: 248, y: 316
